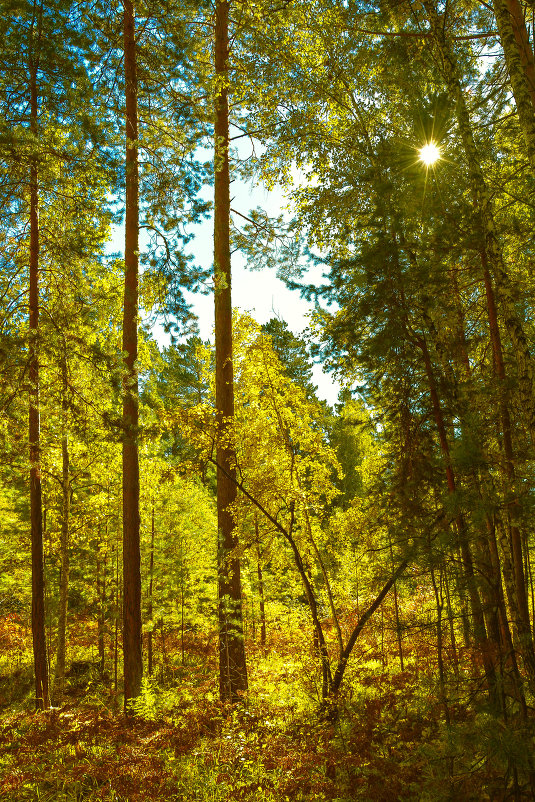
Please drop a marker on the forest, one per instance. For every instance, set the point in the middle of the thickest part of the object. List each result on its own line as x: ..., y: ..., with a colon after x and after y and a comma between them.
x: 214, y: 585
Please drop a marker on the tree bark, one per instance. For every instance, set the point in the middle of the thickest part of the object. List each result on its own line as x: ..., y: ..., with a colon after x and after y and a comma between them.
x: 101, y: 597
x: 59, y: 674
x: 151, y: 587
x: 132, y: 632
x: 232, y: 662
x: 42, y: 700
x: 520, y: 66
x: 260, y: 586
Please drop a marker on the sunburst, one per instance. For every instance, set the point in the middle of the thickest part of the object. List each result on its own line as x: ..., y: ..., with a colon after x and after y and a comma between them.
x: 429, y: 154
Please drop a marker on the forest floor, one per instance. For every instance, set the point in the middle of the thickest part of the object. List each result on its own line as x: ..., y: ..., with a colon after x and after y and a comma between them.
x: 388, y: 743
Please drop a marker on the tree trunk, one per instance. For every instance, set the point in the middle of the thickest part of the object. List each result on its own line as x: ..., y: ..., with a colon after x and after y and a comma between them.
x: 151, y: 587
x: 260, y: 586
x: 232, y: 663
x: 117, y: 616
x: 396, y: 610
x: 132, y: 631
x: 520, y: 66
x: 101, y: 596
x: 182, y: 606
x: 451, y: 627
x: 163, y: 673
x: 439, y: 601
x: 36, y: 513
x: 59, y: 674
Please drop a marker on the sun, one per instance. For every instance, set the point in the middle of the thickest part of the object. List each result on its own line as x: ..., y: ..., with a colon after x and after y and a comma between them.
x: 429, y: 154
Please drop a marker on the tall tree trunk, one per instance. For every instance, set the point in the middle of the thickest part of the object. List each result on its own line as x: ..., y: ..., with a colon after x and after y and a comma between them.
x: 260, y: 585
x: 101, y: 597
x: 232, y: 664
x: 117, y: 616
x: 36, y: 513
x: 396, y: 609
x: 132, y: 632
x: 151, y: 588
x: 520, y: 66
x: 59, y: 674
x: 439, y: 601
x: 451, y: 627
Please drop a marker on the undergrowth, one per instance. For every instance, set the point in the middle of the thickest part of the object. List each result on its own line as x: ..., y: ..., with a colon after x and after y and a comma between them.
x: 389, y: 741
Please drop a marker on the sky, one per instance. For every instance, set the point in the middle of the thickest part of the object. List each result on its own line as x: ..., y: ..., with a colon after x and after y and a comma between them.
x: 257, y: 292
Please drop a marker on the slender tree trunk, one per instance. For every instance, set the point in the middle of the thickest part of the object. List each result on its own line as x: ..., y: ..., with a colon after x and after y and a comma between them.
x: 36, y: 513
x: 101, y: 595
x: 396, y: 610
x: 260, y: 587
x: 451, y: 627
x: 331, y: 685
x: 59, y: 675
x: 516, y: 539
x: 182, y: 605
x: 132, y: 630
x: 361, y: 623
x: 163, y: 673
x: 151, y: 588
x: 117, y: 618
x: 439, y: 600
x: 330, y: 597
x: 232, y: 663
x: 503, y: 621
x: 520, y: 66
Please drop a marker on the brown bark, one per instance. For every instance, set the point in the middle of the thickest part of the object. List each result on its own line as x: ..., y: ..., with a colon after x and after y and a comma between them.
x: 232, y: 663
x: 439, y: 601
x: 163, y: 672
x: 449, y: 611
x: 151, y: 587
x: 59, y: 674
x: 520, y: 66
x: 101, y: 620
x: 132, y: 632
x: 396, y: 611
x: 260, y: 586
x: 36, y: 513
x: 117, y: 616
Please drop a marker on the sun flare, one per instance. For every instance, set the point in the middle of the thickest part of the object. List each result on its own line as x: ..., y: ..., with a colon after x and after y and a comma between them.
x: 429, y: 154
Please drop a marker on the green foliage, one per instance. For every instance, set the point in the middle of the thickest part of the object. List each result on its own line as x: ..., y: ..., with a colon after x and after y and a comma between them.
x: 147, y: 705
